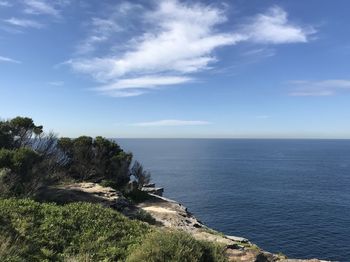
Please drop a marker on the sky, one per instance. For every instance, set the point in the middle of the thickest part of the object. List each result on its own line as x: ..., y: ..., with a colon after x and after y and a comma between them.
x: 178, y: 68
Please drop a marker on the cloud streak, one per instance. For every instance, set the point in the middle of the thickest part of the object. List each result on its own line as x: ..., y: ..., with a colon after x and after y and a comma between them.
x: 5, y: 4
x: 177, y: 41
x: 24, y: 23
x: 40, y: 7
x: 172, y: 122
x: 319, y: 88
x: 9, y: 60
x: 126, y: 87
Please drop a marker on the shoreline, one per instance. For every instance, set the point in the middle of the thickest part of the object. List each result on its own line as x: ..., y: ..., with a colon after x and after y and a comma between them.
x: 169, y: 214
x: 174, y: 215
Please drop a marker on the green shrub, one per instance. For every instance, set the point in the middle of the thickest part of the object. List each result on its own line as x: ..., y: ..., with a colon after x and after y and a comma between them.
x: 142, y: 215
x: 96, y: 159
x: 47, y: 231
x: 137, y: 195
x: 30, y: 231
x: 20, y: 172
x: 175, y: 246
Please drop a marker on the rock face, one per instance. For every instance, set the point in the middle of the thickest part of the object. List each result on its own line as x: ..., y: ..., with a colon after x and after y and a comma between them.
x: 152, y: 189
x: 172, y: 214
x: 167, y: 213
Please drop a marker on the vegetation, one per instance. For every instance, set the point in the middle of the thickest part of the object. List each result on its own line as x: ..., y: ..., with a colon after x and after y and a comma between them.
x: 30, y: 231
x: 47, y: 231
x: 31, y: 160
x: 175, y: 246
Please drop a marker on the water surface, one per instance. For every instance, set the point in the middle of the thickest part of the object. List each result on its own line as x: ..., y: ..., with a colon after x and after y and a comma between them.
x: 291, y: 196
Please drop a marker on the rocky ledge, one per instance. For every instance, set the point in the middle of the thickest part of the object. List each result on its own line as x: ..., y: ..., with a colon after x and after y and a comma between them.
x: 168, y: 213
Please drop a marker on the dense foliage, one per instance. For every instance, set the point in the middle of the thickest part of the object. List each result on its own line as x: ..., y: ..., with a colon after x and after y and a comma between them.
x: 29, y: 159
x: 97, y: 159
x: 175, y: 246
x: 30, y: 231
x: 47, y: 231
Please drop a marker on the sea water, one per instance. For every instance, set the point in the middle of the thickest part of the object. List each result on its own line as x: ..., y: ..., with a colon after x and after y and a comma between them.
x: 289, y: 196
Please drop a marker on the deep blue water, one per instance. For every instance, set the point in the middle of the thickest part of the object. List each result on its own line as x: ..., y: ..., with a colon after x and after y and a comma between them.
x: 291, y: 196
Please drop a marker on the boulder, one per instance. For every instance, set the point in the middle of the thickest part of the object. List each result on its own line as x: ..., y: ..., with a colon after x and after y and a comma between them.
x: 153, y: 190
x: 149, y: 185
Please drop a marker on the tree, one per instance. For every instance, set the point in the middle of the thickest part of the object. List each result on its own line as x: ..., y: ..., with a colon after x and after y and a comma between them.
x: 141, y: 176
x: 23, y: 130
x: 20, y: 171
x: 5, y: 135
x: 96, y: 159
x: 28, y: 157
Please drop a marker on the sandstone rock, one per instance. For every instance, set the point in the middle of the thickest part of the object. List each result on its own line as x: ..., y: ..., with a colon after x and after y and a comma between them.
x: 238, y: 239
x: 154, y: 190
x: 149, y: 185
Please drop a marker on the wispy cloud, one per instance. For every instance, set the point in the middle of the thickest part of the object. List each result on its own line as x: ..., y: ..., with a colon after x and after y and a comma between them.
x: 176, y: 39
x: 126, y: 87
x: 260, y: 52
x: 40, y: 7
x: 5, y: 4
x: 102, y: 29
x: 24, y: 23
x: 173, y: 122
x: 9, y: 60
x: 319, y: 88
x: 273, y: 27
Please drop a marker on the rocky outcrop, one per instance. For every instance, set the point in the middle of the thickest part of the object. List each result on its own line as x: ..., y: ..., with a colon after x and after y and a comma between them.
x: 167, y: 213
x: 153, y: 190
x: 172, y: 214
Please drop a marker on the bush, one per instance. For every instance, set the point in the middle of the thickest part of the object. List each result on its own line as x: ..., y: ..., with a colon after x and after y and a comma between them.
x: 30, y: 231
x: 95, y: 160
x: 175, y: 246
x: 34, y: 232
x: 20, y: 172
x: 141, y: 176
x: 35, y: 159
x: 138, y: 196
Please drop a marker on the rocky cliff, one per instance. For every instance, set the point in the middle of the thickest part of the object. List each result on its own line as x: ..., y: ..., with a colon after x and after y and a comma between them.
x: 167, y: 213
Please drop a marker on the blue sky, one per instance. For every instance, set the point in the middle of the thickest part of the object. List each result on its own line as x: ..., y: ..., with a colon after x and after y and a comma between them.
x: 167, y: 68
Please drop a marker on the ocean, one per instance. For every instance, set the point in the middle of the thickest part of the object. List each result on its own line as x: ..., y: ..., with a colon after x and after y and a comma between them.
x: 289, y: 196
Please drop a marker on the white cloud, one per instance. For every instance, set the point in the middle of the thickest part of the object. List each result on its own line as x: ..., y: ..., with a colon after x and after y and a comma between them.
x: 182, y: 41
x: 273, y: 27
x: 138, y: 86
x: 40, y: 7
x: 173, y: 122
x: 25, y: 23
x: 9, y: 60
x: 176, y: 39
x: 145, y: 82
x: 5, y: 4
x: 319, y: 88
x: 102, y: 29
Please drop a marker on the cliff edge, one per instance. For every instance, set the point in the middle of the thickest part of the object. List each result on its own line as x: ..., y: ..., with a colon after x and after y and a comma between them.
x: 167, y: 213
